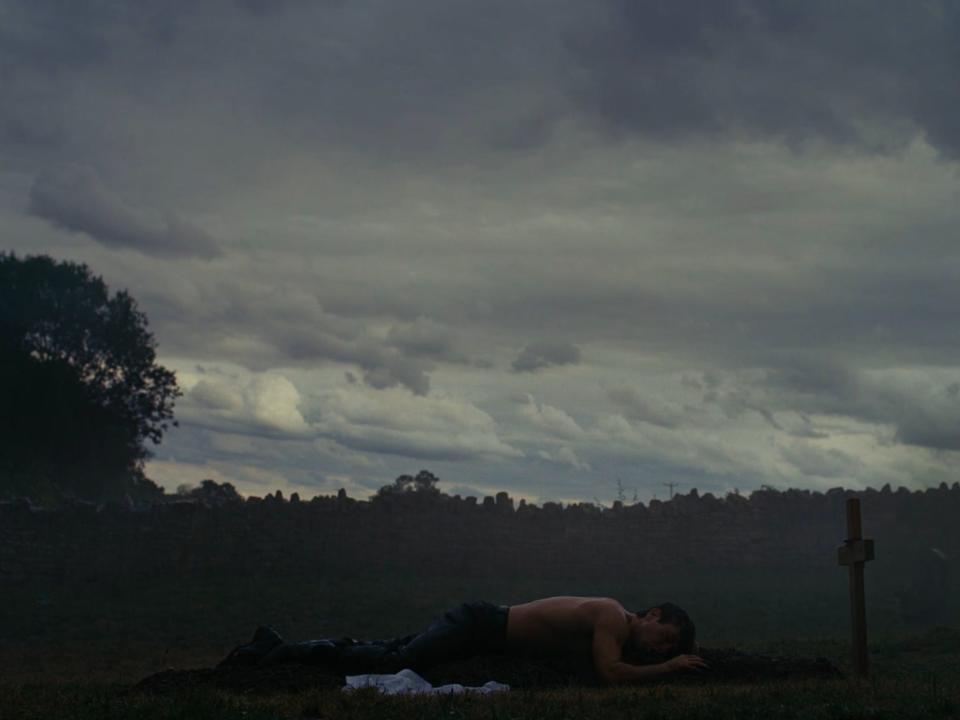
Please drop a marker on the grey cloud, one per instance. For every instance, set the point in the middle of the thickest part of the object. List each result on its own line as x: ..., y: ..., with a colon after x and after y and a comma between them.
x: 51, y: 35
x: 216, y: 396
x: 383, y: 367
x: 541, y: 354
x: 262, y: 326
x: 827, y: 463
x: 429, y: 189
x: 799, y: 425
x: 267, y: 8
x: 465, y: 491
x: 642, y: 408
x: 564, y: 455
x: 379, y: 75
x: 926, y: 414
x: 48, y: 49
x: 389, y: 370
x: 77, y: 200
x: 408, y: 448
x: 937, y: 431
x: 398, y: 423
x: 824, y: 382
x: 425, y: 337
x: 866, y: 74
x: 26, y: 120
x: 552, y: 419
x: 735, y: 400
x: 268, y: 405
x: 370, y: 74
x: 921, y: 407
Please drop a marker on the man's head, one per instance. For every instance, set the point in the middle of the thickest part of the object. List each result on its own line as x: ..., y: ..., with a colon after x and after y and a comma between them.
x: 663, y: 630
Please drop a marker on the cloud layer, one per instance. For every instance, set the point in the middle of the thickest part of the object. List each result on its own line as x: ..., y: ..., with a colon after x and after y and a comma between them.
x: 76, y: 200
x: 858, y: 74
x: 541, y: 354
x: 535, y: 245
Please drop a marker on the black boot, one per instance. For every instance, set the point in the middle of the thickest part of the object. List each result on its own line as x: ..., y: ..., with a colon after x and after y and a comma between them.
x: 264, y: 640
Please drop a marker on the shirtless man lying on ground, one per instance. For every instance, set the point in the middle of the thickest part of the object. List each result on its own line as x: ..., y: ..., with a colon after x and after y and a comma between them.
x: 595, y: 627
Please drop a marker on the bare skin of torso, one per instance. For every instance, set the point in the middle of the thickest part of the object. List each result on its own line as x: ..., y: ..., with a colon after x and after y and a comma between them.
x: 597, y: 627
x: 562, y: 624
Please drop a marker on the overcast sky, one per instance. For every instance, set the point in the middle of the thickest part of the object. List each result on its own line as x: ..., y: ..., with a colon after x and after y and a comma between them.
x: 529, y: 245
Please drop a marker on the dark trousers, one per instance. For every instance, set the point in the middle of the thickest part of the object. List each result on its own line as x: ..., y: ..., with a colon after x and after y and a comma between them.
x: 469, y: 629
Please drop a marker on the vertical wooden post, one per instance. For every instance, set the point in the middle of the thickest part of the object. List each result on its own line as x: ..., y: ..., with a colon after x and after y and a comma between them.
x: 854, y: 553
x: 858, y: 605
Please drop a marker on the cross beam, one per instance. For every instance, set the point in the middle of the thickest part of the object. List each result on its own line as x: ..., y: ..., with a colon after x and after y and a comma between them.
x: 854, y: 552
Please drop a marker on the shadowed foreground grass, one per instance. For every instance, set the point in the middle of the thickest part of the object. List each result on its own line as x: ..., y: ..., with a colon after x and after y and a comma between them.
x: 911, y: 695
x: 915, y: 677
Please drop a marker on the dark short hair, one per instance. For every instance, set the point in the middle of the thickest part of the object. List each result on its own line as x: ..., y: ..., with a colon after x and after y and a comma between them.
x: 671, y: 614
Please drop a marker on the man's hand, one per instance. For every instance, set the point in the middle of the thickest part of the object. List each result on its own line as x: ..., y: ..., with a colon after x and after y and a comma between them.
x: 686, y: 662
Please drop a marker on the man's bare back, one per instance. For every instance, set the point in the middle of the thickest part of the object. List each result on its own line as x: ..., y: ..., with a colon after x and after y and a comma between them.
x: 557, y: 624
x: 598, y: 627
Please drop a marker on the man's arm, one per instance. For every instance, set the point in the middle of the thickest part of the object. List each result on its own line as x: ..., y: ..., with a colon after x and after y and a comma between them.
x: 625, y: 672
x: 610, y: 632
x: 609, y: 635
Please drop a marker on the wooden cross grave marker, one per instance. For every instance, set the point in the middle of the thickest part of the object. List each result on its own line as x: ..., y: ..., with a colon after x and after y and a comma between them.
x: 854, y: 552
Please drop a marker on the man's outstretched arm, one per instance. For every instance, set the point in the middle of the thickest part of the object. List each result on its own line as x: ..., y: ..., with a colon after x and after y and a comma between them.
x: 609, y: 636
x: 622, y: 672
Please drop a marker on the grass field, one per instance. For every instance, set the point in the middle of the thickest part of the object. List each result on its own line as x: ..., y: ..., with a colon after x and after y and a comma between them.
x: 76, y: 651
x: 899, y: 696
x: 118, y: 630
x: 913, y: 677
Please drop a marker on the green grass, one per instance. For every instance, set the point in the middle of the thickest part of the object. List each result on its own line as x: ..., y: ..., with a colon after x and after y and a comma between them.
x: 122, y: 631
x: 897, y: 696
x: 912, y: 677
x: 74, y: 651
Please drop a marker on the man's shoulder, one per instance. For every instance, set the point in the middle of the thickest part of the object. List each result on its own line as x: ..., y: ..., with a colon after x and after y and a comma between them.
x: 609, y: 614
x: 607, y: 605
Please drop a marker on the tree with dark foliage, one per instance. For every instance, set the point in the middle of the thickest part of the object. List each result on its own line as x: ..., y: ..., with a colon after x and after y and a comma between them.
x: 211, y: 493
x: 425, y: 483
x: 80, y: 386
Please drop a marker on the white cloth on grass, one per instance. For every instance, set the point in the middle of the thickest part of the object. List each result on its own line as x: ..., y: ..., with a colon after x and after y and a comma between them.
x: 407, y: 681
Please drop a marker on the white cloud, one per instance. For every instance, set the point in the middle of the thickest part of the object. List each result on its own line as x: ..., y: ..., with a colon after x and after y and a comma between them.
x: 564, y: 454
x: 395, y: 422
x: 217, y: 395
x: 243, y: 403
x: 274, y: 401
x: 642, y: 407
x: 553, y: 420
x: 711, y: 451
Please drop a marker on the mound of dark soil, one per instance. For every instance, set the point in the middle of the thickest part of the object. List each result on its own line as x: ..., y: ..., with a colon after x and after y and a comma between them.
x: 726, y: 665
x: 729, y: 665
